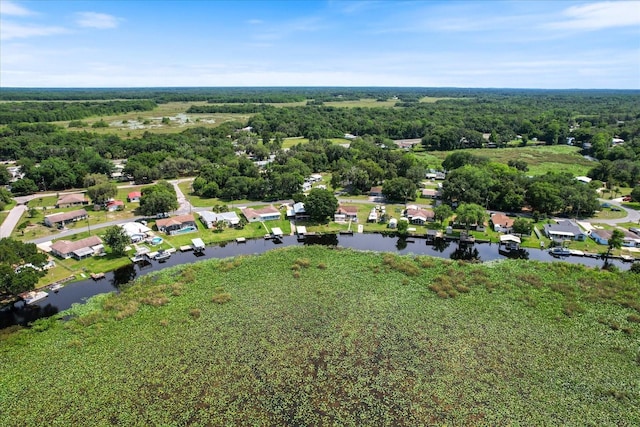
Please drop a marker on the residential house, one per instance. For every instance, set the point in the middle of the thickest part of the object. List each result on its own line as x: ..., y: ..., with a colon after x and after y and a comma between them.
x: 64, y: 218
x: 70, y: 200
x: 297, y: 211
x: 269, y: 213
x: 376, y: 191
x: 502, y: 223
x: 210, y: 219
x: 419, y: 216
x: 78, y: 249
x: 564, y: 230
x: 430, y: 193
x: 346, y: 213
x: 602, y: 238
x: 177, y: 224
x: 134, y: 196
x: 114, y: 205
x: 407, y: 144
x: 136, y: 231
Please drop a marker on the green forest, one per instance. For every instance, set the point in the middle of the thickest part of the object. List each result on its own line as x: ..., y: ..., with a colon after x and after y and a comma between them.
x: 604, y: 125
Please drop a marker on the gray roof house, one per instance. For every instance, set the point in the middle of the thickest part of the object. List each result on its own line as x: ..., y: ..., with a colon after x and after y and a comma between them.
x: 564, y: 230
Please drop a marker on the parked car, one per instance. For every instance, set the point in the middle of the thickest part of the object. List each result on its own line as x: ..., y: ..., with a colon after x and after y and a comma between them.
x: 626, y: 199
x: 635, y: 230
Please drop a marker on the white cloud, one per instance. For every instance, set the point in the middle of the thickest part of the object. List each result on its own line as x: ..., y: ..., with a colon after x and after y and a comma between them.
x: 597, y: 16
x: 10, y: 8
x: 11, y: 30
x: 96, y: 20
x: 255, y: 21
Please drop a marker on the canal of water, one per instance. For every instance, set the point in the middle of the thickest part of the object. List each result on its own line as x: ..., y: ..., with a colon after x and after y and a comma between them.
x: 78, y: 292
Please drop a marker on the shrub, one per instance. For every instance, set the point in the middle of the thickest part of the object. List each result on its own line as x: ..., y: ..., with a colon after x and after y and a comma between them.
x: 195, y: 313
x: 221, y: 298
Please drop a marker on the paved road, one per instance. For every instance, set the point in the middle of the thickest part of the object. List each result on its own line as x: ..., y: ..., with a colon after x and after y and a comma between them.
x: 632, y: 214
x: 10, y: 222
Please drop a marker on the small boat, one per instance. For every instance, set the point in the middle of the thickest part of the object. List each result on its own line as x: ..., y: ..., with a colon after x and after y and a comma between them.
x: 33, y: 296
x: 162, y: 256
x: 97, y: 276
x: 56, y: 287
x: 559, y: 251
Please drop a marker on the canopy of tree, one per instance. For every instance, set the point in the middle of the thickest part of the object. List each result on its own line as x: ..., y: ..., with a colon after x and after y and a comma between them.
x: 320, y: 204
x: 158, y: 198
x: 20, y: 266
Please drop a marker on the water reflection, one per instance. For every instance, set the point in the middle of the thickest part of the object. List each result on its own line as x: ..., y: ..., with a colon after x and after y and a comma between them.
x: 321, y: 239
x: 124, y: 275
x: 465, y: 253
x: 401, y: 244
x: 441, y: 245
x: 515, y: 253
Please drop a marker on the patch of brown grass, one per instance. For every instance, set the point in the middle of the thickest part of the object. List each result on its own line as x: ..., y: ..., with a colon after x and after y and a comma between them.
x: 221, y: 298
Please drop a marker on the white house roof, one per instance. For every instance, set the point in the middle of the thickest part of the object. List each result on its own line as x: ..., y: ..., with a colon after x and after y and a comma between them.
x: 134, y: 228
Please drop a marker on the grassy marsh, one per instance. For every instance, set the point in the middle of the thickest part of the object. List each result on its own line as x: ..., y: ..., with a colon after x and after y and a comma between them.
x: 319, y: 336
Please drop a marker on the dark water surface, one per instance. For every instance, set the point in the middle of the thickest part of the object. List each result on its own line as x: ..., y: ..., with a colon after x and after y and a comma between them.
x: 78, y: 292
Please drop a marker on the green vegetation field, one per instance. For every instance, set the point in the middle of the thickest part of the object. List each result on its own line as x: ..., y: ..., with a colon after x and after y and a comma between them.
x: 541, y: 159
x: 170, y: 110
x: 319, y: 336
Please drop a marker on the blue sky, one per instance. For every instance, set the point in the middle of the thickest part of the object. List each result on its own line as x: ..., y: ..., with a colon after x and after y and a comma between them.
x: 524, y: 44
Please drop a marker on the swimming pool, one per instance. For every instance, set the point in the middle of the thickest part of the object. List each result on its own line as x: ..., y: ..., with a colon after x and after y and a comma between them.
x: 188, y: 229
x: 156, y: 240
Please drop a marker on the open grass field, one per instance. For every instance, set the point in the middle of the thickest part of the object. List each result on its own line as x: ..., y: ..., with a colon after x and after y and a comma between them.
x: 541, y: 159
x: 318, y: 336
x: 139, y: 122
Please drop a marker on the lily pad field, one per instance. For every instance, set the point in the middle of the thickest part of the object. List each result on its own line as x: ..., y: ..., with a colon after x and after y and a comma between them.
x: 309, y: 336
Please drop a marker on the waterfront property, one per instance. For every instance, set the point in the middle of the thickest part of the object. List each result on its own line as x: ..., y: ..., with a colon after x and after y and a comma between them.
x: 602, y: 238
x: 346, y: 214
x: 502, y: 223
x: 269, y: 213
x: 419, y: 216
x: 177, y: 224
x: 210, y: 219
x: 297, y: 211
x: 135, y: 231
x: 64, y: 218
x: 564, y: 230
x: 79, y: 249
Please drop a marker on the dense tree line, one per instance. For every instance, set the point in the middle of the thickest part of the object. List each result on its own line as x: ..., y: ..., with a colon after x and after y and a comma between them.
x: 229, y: 109
x: 501, y: 187
x: 32, y: 112
x: 54, y: 159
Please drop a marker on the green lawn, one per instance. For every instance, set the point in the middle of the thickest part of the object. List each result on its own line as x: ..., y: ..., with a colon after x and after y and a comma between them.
x: 541, y: 159
x: 319, y: 336
x: 170, y: 109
